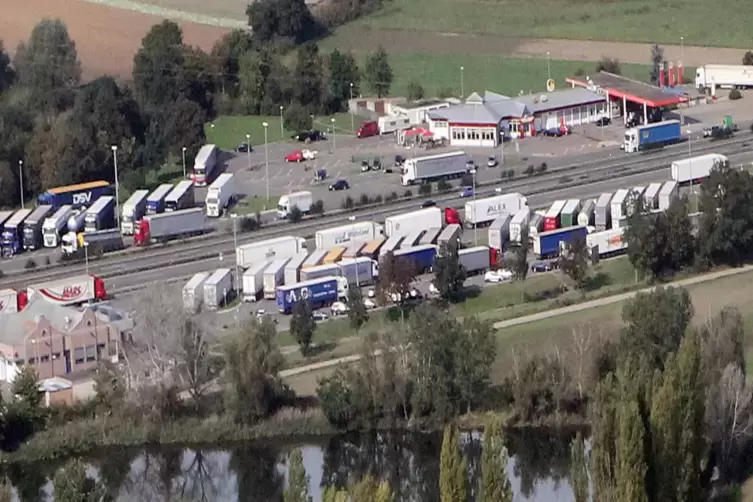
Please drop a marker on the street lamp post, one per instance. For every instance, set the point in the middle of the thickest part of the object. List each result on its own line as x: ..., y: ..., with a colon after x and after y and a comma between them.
x: 184, y: 162
x: 86, y: 256
x: 234, y: 217
x: 117, y: 184
x: 353, y: 236
x: 690, y: 166
x: 282, y: 124
x: 350, y: 109
x: 475, y: 227
x: 266, y: 159
x: 462, y: 83
x: 334, y: 135
x: 21, y: 180
x: 248, y: 150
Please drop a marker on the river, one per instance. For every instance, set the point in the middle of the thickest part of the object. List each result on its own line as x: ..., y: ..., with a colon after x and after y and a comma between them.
x: 256, y: 471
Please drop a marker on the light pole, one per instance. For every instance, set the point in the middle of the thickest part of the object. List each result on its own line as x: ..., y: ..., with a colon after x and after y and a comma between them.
x: 462, y: 82
x: 21, y: 180
x: 117, y: 185
x: 475, y: 231
x: 184, y: 162
x: 334, y: 135
x: 86, y: 256
x: 682, y: 50
x: 248, y: 150
x: 234, y: 217
x: 352, y: 125
x: 353, y: 234
x: 690, y: 166
x: 548, y: 67
x: 266, y: 159
x: 282, y: 124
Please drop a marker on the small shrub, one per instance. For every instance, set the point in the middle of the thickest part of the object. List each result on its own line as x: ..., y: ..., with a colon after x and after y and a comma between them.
x: 542, y: 168
x: 248, y: 224
x: 443, y: 186
x: 317, y: 207
x: 295, y: 215
x: 378, y: 199
x: 530, y: 170
x: 2, y: 274
x: 408, y: 193
x: 734, y: 94
x: 47, y: 261
x: 30, y: 264
x: 393, y: 196
x: 425, y: 189
x: 348, y: 203
x: 365, y: 199
x: 511, y: 173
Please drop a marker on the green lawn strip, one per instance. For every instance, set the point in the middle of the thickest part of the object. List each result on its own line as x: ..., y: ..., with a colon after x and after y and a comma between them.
x: 228, y: 131
x: 252, y: 204
x: 629, y: 20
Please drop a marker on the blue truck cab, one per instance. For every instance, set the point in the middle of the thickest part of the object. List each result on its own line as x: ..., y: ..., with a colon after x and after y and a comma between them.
x: 421, y: 257
x: 650, y: 136
x: 79, y: 195
x: 318, y: 292
x: 11, y: 239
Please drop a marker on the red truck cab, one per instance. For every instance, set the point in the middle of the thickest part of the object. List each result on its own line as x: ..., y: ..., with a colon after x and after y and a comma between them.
x: 141, y: 233
x: 367, y: 129
x: 452, y: 217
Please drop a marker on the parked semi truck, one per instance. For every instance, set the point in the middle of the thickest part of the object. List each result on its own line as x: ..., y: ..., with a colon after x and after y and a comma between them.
x: 361, y: 231
x: 434, y: 167
x: 498, y: 233
x: 33, y: 227
x: 695, y: 169
x: 667, y: 194
x: 168, y: 226
x: 475, y: 260
x: 101, y: 215
x: 326, y: 270
x: 403, y: 224
x: 603, y: 211
x: 450, y: 236
x: 411, y: 239
x: 569, y: 215
x: 650, y: 136
x: 181, y: 197
x: 483, y: 211
x: 430, y: 236
x: 359, y: 271
x: 518, y: 224
x: 354, y: 249
x: 421, y: 257
x: 11, y: 240
x: 12, y: 301
x: 253, y: 281
x: 193, y: 292
x: 5, y: 216
x: 372, y: 248
x: 270, y: 250
x: 217, y: 287
x: 607, y: 243
x: 72, y: 290
x: 536, y: 225
x: 651, y: 196
x: 133, y: 210
x: 586, y: 214
x: 220, y: 195
x: 301, y: 200
x: 78, y: 195
x: 552, y: 216
x: 205, y: 165
x: 549, y: 244
x: 725, y: 76
x: 318, y: 293
x: 274, y: 275
x: 293, y: 268
x: 54, y: 226
x: 618, y: 207
x: 391, y: 245
x: 155, y: 202
x: 98, y: 242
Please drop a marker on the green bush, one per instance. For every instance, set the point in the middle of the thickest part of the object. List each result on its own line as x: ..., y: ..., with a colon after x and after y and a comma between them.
x: 318, y: 207
x: 408, y: 193
x: 365, y: 199
x: 295, y: 215
x: 393, y: 196
x: 425, y: 189
x: 443, y: 186
x: 348, y: 203
x: 30, y: 264
x: 530, y: 170
x: 734, y: 94
x: 248, y: 224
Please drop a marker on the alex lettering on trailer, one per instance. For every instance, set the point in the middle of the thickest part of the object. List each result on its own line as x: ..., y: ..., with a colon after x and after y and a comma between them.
x: 305, y: 295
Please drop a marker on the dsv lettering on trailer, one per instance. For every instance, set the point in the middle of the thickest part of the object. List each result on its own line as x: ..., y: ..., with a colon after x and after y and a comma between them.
x: 304, y: 292
x: 82, y: 198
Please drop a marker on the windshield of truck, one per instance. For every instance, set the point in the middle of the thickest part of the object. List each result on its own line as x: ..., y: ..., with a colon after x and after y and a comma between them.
x: 627, y: 137
x: 49, y: 230
x: 28, y: 233
x: 213, y: 201
x: 6, y: 237
x: 281, y: 208
x: 199, y: 170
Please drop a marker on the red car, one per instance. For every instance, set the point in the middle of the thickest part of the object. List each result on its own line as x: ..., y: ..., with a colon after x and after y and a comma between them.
x: 300, y: 156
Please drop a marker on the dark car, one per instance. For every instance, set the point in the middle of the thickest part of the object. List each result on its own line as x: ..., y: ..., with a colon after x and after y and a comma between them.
x: 542, y: 267
x: 428, y: 203
x: 603, y: 121
x: 339, y: 185
x: 399, y: 160
x: 243, y: 148
x: 556, y: 132
x: 310, y: 136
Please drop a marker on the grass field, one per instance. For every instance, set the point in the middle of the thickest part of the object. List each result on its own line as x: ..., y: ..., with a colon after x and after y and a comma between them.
x: 627, y: 21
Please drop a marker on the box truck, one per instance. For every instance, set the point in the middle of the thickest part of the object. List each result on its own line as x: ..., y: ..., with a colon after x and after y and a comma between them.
x: 569, y: 215
x: 253, y: 281
x: 430, y: 236
x: 434, y: 167
x: 371, y: 249
x: 421, y: 258
x: 498, y: 233
x: 33, y: 227
x: 361, y: 231
x: 301, y: 200
x: 71, y: 290
x: 193, y: 292
x: 293, y: 268
x: 274, y: 275
x: 155, y: 201
x: 54, y: 226
x: 78, y: 195
x: 618, y: 205
x: 552, y: 216
x: 603, y: 211
x: 220, y: 195
x: 318, y: 293
x: 519, y: 221
x: 205, y: 165
x: 724, y: 76
x: 667, y: 194
x: 695, y: 169
x: 450, y: 236
x: 586, y: 214
x: 484, y: 211
x: 315, y: 259
x: 403, y: 224
x: 11, y: 240
x: 650, y: 136
x: 475, y: 260
x: 359, y: 271
x: 133, y: 210
x: 327, y: 270
x: 651, y: 196
x: 217, y: 287
x: 549, y: 244
x: 168, y: 226
x: 101, y: 215
x: 181, y: 197
x: 607, y: 242
x: 12, y: 301
x: 269, y: 250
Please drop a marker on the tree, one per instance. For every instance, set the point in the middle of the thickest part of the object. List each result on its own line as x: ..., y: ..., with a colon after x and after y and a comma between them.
x: 356, y: 309
x: 396, y: 276
x: 365, y: 489
x: 253, y: 361
x: 681, y: 243
x: 655, y: 323
x: 332, y: 494
x: 579, y: 469
x: 604, y: 439
x: 26, y: 387
x: 449, y: 274
x: 297, y: 118
x: 308, y: 77
x: 574, y: 262
x: 157, y: 66
x: 197, y: 368
x: 415, y: 91
x: 298, y: 480
x: 609, y: 65
x: 657, y: 60
x: 453, y: 480
x: 384, y: 493
x: 344, y: 79
x: 109, y: 387
x: 631, y: 466
x: 748, y: 58
x: 281, y: 20
x: 227, y: 51
x: 72, y: 484
x: 48, y: 66
x: 302, y: 325
x: 7, y: 73
x: 378, y: 73
x: 519, y: 260
x: 495, y: 487
x: 475, y: 352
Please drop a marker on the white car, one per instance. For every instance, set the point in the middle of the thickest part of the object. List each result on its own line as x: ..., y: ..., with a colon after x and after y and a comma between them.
x: 369, y: 303
x: 309, y: 154
x: 339, y: 308
x: 319, y: 316
x: 433, y: 289
x: 497, y: 276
